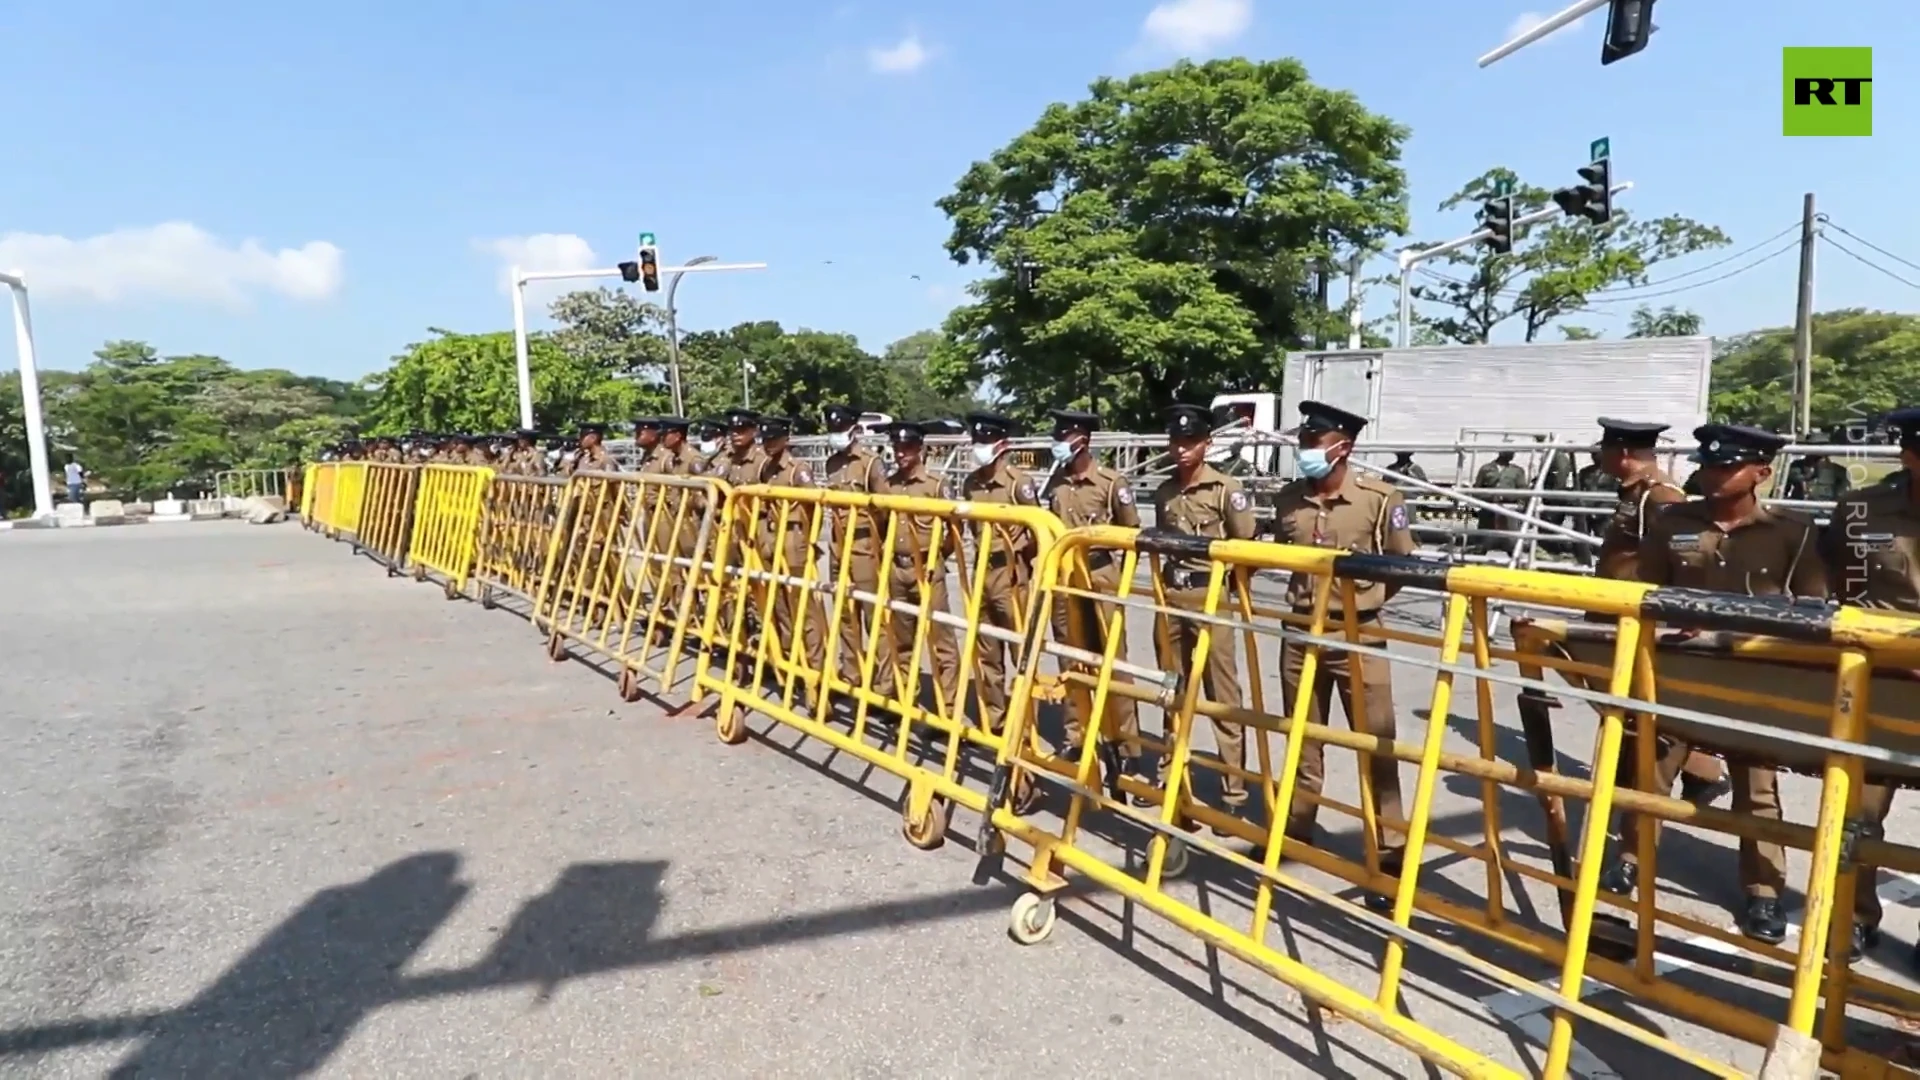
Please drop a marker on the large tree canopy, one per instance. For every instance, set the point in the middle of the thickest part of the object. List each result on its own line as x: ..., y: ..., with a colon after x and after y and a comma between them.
x: 1156, y: 241
x: 1555, y: 270
x: 468, y: 383
x: 1864, y: 363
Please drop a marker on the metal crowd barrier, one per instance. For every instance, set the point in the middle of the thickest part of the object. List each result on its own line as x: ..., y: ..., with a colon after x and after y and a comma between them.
x: 335, y: 497
x: 241, y: 483
x: 872, y: 623
x: 386, y: 514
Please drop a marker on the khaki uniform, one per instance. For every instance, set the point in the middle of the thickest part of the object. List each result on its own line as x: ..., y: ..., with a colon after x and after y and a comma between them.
x: 1367, y: 516
x: 1872, y: 551
x: 1770, y: 553
x: 594, y: 460
x: 1010, y: 553
x: 858, y: 470
x: 1099, y: 496
x: 1494, y: 475
x: 1214, y: 505
x: 1619, y: 560
x: 785, y: 548
x: 917, y: 564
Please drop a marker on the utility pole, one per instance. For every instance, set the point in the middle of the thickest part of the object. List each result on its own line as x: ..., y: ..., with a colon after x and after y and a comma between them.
x: 1803, y: 326
x: 1321, y: 272
x: 1356, y: 318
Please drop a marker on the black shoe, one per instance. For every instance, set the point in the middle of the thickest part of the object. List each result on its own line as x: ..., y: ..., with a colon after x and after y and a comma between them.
x: 1620, y: 878
x: 1704, y: 792
x: 1864, y: 938
x: 1391, y: 866
x: 1762, y: 920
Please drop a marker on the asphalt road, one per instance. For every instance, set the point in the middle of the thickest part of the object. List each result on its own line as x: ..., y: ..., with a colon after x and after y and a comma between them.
x: 268, y: 814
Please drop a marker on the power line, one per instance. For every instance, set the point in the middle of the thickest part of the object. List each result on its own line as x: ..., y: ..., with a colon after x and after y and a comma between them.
x: 1627, y: 292
x: 1864, y: 261
x: 1870, y: 244
x: 1734, y: 273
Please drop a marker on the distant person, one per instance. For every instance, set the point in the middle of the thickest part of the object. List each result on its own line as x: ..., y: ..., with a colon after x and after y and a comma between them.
x: 76, y: 480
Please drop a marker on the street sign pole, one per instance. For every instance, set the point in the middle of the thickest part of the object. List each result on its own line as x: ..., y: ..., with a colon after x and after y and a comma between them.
x: 523, y: 366
x: 1412, y: 257
x: 1600, y: 150
x: 30, y: 396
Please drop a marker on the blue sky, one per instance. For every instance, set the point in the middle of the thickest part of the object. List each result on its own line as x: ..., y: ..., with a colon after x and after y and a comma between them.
x: 311, y: 186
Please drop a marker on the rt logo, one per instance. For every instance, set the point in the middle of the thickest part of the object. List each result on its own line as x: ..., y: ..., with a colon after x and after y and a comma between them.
x: 1827, y: 91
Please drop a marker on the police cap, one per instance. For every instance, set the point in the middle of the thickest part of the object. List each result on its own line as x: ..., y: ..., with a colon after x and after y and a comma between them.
x: 526, y: 433
x: 593, y: 429
x: 840, y: 416
x: 775, y: 427
x: 710, y: 425
x: 1187, y: 421
x: 647, y: 423
x: 908, y: 432
x: 986, y: 427
x: 742, y: 418
x: 1735, y: 444
x: 466, y: 440
x: 1065, y: 420
x: 1318, y: 416
x: 674, y: 423
x: 1904, y: 424
x: 1632, y: 434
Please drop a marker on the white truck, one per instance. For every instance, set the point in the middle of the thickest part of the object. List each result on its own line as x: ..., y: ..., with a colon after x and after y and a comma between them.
x: 1454, y: 405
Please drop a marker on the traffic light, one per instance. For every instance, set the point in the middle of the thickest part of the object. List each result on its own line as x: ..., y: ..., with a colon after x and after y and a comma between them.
x: 1024, y: 276
x: 1629, y: 25
x: 1592, y: 199
x: 629, y: 272
x: 1496, y: 217
x: 649, y: 270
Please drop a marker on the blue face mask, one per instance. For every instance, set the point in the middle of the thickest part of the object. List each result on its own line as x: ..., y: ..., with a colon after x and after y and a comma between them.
x: 1314, y: 463
x: 1063, y: 452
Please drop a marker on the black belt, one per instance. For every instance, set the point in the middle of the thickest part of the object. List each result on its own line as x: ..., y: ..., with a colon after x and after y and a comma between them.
x: 998, y: 559
x: 1099, y: 560
x: 1335, y: 618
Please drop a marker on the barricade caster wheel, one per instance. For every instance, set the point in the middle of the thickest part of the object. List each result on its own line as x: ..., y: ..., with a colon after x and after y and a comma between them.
x: 1178, y: 861
x: 629, y: 685
x: 453, y: 591
x: 392, y: 570
x: 731, y: 725
x: 556, y: 648
x: 419, y: 573
x: 1033, y: 918
x: 487, y: 601
x: 928, y: 833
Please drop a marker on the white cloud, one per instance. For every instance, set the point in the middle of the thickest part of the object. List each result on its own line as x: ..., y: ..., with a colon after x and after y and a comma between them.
x: 173, y: 261
x: 1196, y: 26
x: 903, y: 58
x: 1527, y: 20
x: 538, y: 253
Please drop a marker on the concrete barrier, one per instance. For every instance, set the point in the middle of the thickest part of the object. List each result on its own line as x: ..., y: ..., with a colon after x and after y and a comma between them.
x: 107, y: 512
x: 71, y: 515
x: 168, y: 510
x: 207, y: 509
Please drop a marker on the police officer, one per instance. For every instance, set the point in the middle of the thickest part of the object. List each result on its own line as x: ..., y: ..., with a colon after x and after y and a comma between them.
x: 1010, y: 552
x: 1626, y: 457
x: 1872, y: 547
x: 1499, y: 474
x: 709, y: 434
x: 919, y: 565
x: 1083, y: 492
x: 646, y: 444
x: 786, y: 545
x: 855, y: 470
x: 1730, y: 542
x: 591, y: 456
x: 1332, y: 506
x: 525, y: 459
x: 1404, y: 464
x: 1200, y: 500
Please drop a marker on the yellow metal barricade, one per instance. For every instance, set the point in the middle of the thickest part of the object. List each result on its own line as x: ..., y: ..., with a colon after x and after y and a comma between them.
x: 874, y: 649
x: 1242, y: 613
x: 446, y: 523
x: 309, y: 491
x: 349, y: 496
x: 519, y: 522
x: 386, y: 513
x: 629, y: 574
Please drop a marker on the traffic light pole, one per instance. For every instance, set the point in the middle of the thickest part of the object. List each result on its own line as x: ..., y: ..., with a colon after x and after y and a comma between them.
x: 1550, y: 25
x: 1411, y: 257
x: 523, y: 369
x: 30, y: 396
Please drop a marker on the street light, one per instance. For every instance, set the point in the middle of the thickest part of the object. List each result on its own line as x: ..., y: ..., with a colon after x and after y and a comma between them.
x: 673, y: 336
x: 747, y: 372
x: 30, y: 395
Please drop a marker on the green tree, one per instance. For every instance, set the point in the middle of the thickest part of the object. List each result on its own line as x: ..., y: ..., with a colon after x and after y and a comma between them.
x: 905, y: 389
x: 1555, y: 267
x: 1669, y: 321
x: 793, y: 373
x: 611, y: 328
x: 1169, y: 223
x: 1864, y: 363
x: 467, y: 383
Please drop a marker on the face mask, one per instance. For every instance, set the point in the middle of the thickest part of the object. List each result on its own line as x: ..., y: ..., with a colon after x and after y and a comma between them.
x: 984, y: 453
x: 709, y: 447
x: 1064, y: 452
x: 840, y: 440
x: 1314, y: 464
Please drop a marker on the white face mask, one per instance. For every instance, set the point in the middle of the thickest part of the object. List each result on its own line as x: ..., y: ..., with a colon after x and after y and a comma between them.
x: 709, y: 447
x: 840, y: 440
x: 985, y: 453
